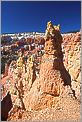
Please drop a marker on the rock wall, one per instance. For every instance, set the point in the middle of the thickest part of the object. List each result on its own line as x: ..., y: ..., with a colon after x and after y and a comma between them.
x: 71, y: 48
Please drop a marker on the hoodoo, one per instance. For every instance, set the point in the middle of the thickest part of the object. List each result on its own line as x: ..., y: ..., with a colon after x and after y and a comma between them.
x: 50, y: 83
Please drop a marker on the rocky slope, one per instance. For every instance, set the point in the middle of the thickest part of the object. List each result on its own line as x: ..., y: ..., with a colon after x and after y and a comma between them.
x: 65, y: 109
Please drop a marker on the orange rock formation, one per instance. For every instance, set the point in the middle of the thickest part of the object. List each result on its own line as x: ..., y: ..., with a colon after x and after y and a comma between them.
x: 51, y: 81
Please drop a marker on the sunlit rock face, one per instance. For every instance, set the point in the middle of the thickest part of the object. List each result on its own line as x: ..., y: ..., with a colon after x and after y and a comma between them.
x: 71, y: 48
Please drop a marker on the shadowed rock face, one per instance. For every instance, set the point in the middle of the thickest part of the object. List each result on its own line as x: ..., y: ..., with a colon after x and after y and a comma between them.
x: 6, y: 105
x: 53, y: 75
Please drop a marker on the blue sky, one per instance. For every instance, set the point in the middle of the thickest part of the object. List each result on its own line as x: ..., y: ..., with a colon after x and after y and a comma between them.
x: 25, y: 16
